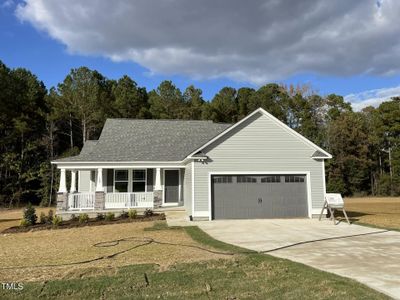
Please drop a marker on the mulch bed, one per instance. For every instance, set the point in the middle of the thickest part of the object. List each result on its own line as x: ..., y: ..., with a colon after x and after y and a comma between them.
x: 91, y: 222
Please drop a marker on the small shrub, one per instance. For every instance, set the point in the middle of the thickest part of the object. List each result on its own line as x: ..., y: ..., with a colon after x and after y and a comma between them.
x: 148, y: 212
x: 30, y: 215
x: 73, y: 217
x: 124, y: 215
x: 110, y: 216
x: 57, y: 220
x: 50, y: 216
x: 100, y: 217
x: 42, y: 218
x: 24, y: 223
x: 132, y: 213
x: 83, y: 218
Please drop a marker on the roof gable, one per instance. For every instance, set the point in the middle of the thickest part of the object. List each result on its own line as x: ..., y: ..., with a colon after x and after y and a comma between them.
x: 298, y: 136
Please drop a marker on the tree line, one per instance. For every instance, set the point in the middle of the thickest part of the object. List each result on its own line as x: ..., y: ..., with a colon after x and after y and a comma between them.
x: 39, y: 125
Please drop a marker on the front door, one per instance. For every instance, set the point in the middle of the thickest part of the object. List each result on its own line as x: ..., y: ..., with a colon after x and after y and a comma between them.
x: 171, y: 186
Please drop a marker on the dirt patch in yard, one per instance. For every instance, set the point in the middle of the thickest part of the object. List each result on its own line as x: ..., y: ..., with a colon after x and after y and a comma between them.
x: 57, y: 254
x: 376, y: 211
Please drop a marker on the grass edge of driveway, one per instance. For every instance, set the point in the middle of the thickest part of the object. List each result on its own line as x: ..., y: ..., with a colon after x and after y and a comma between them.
x: 275, y: 277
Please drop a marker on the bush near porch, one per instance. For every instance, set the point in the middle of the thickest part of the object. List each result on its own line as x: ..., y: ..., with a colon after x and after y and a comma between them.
x: 80, y: 220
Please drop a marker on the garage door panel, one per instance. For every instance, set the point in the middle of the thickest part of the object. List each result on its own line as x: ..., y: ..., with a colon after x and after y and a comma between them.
x: 259, y: 196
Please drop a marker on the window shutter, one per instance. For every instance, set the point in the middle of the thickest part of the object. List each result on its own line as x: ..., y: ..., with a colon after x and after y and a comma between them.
x: 150, y: 173
x: 110, y: 180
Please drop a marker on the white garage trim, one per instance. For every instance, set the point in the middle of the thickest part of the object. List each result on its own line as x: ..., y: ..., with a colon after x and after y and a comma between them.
x: 307, y: 173
x: 192, y: 189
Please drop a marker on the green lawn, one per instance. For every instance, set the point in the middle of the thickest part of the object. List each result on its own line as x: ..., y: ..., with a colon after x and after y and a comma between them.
x: 247, y: 276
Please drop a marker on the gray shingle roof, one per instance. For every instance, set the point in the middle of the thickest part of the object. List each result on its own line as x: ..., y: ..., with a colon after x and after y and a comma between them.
x: 148, y: 140
x: 88, y: 147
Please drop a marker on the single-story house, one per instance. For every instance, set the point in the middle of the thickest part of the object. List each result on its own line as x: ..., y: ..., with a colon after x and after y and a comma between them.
x: 255, y: 168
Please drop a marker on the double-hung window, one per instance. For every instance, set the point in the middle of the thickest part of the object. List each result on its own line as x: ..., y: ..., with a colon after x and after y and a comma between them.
x: 121, y: 180
x: 129, y: 181
x: 138, y: 181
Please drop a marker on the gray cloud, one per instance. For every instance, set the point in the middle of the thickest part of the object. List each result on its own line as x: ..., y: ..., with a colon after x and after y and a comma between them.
x: 250, y: 41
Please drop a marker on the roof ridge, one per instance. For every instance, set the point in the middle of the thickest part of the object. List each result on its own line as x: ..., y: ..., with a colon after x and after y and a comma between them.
x: 169, y: 120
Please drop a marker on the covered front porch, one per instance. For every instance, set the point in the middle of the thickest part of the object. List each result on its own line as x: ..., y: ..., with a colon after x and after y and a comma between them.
x: 119, y: 188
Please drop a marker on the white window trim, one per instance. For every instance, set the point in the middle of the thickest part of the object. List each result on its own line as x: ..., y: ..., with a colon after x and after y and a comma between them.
x: 114, y: 181
x: 307, y: 173
x: 130, y: 180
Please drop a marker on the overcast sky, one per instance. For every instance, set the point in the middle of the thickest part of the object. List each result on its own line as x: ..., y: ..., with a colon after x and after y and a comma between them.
x: 331, y: 45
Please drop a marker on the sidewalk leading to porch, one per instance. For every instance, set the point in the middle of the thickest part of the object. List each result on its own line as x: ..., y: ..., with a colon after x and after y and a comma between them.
x: 176, y: 216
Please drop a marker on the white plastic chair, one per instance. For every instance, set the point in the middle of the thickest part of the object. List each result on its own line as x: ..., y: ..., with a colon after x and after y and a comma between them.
x: 333, y: 202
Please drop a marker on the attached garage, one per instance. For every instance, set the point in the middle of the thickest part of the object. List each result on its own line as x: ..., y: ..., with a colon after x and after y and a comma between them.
x: 259, y: 196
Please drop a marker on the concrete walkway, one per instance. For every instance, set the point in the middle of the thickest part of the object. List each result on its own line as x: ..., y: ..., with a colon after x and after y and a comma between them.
x: 177, y: 217
x: 370, y: 256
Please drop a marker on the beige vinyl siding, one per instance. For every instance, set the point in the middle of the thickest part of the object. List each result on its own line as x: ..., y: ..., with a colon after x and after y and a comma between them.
x: 258, y: 144
x: 84, y: 181
x: 187, y: 188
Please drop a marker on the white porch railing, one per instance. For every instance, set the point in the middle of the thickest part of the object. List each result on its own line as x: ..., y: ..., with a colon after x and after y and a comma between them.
x: 129, y: 200
x: 80, y: 201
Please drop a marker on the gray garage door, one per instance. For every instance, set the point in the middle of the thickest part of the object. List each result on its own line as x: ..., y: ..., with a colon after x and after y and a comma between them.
x: 259, y: 196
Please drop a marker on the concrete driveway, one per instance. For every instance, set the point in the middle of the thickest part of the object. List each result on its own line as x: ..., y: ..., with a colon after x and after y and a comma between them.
x: 370, y: 256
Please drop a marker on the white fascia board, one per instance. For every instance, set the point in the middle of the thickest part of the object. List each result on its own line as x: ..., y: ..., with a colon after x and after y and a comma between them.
x: 274, y: 119
x: 116, y: 162
x: 118, y: 165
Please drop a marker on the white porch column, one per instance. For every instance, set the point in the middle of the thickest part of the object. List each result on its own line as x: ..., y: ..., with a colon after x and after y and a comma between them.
x: 157, y: 185
x: 99, y: 181
x: 63, y: 182
x: 73, y: 181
